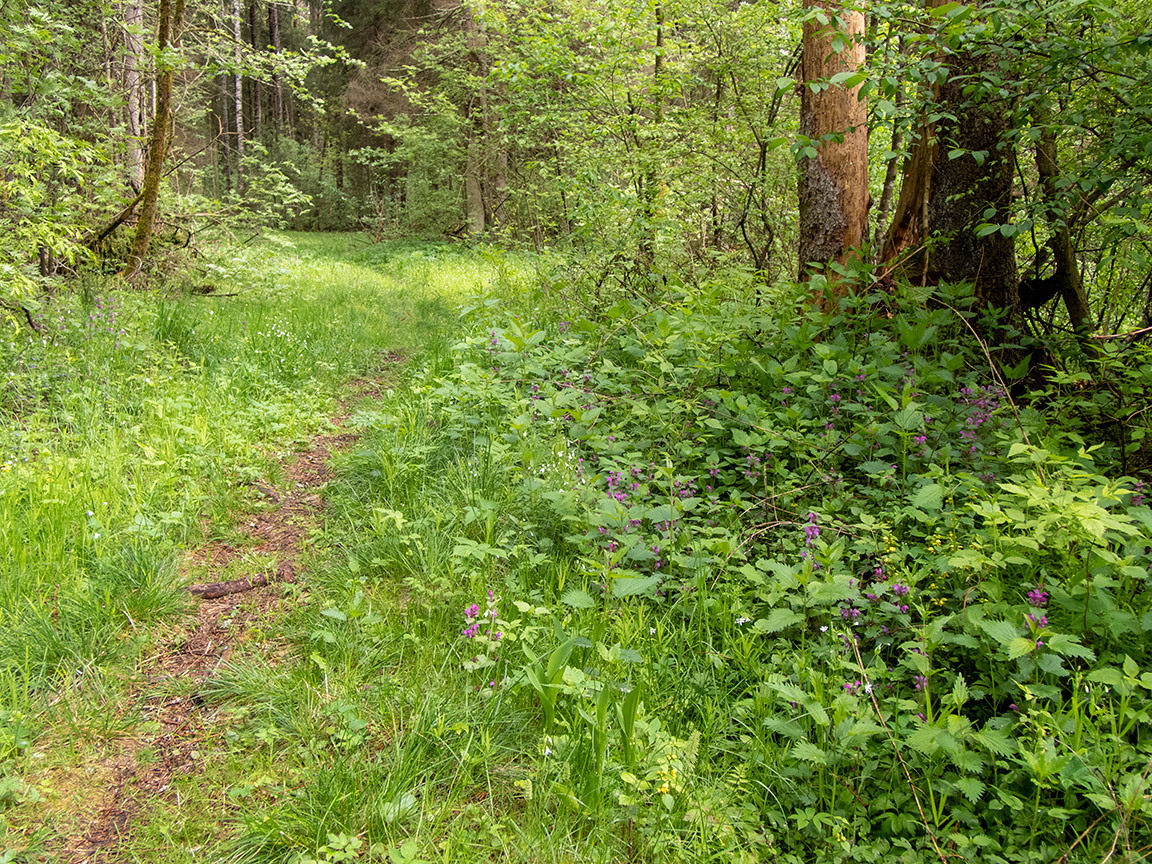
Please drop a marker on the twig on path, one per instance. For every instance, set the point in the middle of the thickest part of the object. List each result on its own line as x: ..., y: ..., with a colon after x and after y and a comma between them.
x: 210, y: 591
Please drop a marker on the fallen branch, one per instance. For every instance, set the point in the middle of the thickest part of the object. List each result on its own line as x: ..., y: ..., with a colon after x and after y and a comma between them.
x: 10, y: 306
x: 117, y: 221
x: 211, y: 590
x: 1133, y: 336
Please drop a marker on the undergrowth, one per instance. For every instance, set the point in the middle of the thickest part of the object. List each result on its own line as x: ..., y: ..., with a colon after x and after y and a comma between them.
x: 699, y: 576
x: 695, y: 578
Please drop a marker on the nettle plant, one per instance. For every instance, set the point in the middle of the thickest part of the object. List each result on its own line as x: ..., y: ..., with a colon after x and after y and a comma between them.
x: 906, y: 579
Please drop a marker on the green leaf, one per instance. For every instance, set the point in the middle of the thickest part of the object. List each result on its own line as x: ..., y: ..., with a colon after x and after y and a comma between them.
x: 578, y: 599
x: 805, y: 751
x: 959, y: 691
x: 995, y: 741
x: 1020, y: 646
x: 1108, y: 676
x: 925, y: 740
x: 930, y: 497
x: 630, y: 586
x: 777, y: 620
x: 971, y: 788
x: 1051, y: 664
x: 1001, y: 631
x: 1069, y: 646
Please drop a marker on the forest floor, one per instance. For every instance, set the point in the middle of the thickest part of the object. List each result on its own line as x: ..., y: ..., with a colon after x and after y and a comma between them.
x: 158, y: 445
x: 104, y: 798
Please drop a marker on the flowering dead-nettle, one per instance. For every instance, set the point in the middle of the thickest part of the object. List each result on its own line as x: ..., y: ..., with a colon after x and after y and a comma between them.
x: 811, y: 530
x: 1038, y: 597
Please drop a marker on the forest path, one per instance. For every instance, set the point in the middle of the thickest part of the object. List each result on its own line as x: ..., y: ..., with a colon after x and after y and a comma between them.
x: 172, y: 727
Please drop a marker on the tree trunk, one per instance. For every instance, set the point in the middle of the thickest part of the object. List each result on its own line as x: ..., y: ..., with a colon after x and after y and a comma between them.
x: 960, y: 169
x: 649, y: 152
x: 277, y: 88
x: 254, y: 89
x: 834, y: 178
x: 891, y: 172
x: 133, y: 52
x: 473, y: 187
x: 223, y: 131
x: 1066, y: 280
x: 168, y: 33
x: 476, y: 205
x: 238, y: 95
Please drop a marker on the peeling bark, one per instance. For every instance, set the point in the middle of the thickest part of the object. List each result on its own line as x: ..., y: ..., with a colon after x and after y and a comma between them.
x: 833, y: 189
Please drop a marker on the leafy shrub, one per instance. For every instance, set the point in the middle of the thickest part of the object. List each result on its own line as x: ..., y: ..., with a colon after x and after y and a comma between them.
x: 785, y: 584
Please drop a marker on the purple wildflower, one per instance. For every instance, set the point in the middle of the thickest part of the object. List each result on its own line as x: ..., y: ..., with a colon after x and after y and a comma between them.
x: 811, y: 530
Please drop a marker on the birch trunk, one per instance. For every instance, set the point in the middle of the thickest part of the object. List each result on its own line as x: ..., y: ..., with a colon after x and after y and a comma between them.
x: 133, y: 51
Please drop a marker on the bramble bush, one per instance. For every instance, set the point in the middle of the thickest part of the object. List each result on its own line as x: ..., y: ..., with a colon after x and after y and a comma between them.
x: 784, y: 583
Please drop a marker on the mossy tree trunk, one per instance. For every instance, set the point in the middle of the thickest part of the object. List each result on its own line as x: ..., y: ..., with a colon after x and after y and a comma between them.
x: 171, y: 20
x: 958, y: 177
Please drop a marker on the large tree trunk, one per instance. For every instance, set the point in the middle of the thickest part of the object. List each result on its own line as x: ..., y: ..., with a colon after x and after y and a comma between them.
x: 834, y: 182
x: 960, y: 169
x: 133, y: 52
x: 171, y: 20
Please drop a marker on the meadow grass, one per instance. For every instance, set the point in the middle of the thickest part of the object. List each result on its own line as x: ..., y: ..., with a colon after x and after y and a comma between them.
x: 132, y: 425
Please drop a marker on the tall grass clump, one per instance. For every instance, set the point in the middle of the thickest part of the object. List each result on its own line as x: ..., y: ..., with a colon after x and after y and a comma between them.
x: 133, y: 422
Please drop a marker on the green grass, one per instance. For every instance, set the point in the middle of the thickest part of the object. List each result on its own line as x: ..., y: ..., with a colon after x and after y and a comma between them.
x: 130, y: 428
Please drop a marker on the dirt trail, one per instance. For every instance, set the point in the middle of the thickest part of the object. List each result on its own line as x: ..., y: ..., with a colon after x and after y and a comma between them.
x: 124, y: 783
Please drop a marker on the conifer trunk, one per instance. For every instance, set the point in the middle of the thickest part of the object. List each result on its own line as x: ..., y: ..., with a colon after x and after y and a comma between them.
x: 277, y: 88
x: 238, y: 95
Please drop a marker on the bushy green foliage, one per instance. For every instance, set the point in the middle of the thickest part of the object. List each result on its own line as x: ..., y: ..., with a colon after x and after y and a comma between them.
x: 774, y: 584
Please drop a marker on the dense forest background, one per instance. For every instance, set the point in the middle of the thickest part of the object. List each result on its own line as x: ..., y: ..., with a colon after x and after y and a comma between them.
x: 1011, y: 141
